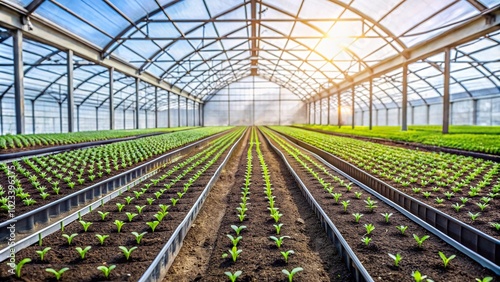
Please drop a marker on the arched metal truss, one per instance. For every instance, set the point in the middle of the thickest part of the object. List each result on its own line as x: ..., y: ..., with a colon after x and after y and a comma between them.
x: 201, y: 46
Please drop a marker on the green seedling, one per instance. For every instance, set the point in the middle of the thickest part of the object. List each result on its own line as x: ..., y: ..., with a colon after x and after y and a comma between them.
x: 446, y: 260
x: 19, y: 266
x: 120, y: 206
x: 131, y: 216
x: 150, y: 201
x: 235, y: 241
x: 106, y: 270
x: 337, y: 196
x: 485, y: 279
x: 57, y: 273
x: 357, y: 217
x: 140, y: 208
x: 495, y: 225
x: 474, y: 216
x: 138, y: 237
x: 276, y: 216
x: 457, y: 206
x: 153, y: 225
x: 482, y: 206
x: 292, y: 273
x: 127, y: 252
x: 85, y: 225
x: 278, y: 241
x: 386, y: 216
x: 103, y: 215
x: 128, y: 200
x: 238, y: 229
x: 369, y: 228
x: 397, y: 258
x: 358, y: 195
x: 370, y: 204
x: 418, y: 276
x: 278, y: 228
x: 234, y: 252
x: 43, y: 253
x: 174, y: 201
x: 160, y: 215
x: 421, y: 240
x: 101, y: 238
x: 287, y: 254
x: 402, y: 229
x: 164, y: 208
x: 345, y: 204
x: 83, y: 252
x: 233, y: 276
x: 119, y: 224
x: 366, y: 240
x: 70, y: 237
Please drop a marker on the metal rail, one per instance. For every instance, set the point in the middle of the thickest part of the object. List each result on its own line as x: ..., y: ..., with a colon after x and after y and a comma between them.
x: 478, y: 245
x: 27, y: 221
x: 484, y: 156
x: 58, y: 149
x: 159, y: 267
x: 360, y: 274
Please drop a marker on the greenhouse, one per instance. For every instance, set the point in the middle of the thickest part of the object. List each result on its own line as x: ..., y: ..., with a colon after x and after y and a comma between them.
x: 250, y: 140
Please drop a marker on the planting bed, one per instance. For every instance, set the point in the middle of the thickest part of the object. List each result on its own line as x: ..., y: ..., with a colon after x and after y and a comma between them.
x: 385, y: 239
x: 443, y: 181
x: 260, y: 259
x: 58, y: 175
x: 19, y: 143
x: 151, y: 203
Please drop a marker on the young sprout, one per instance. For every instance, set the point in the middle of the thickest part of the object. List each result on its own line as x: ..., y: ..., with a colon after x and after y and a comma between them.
x: 287, y: 254
x: 235, y: 241
x: 427, y: 194
x: 85, y: 225
x: 337, y: 196
x: 43, y: 252
x: 56, y: 273
x: 160, y: 215
x: 457, y: 206
x: 370, y: 204
x: 153, y: 225
x: 386, y: 216
x: 345, y: 204
x: 103, y: 214
x: 101, y: 238
x: 233, y: 276
x: 495, y: 225
x: 70, y: 237
x: 402, y: 229
x: 128, y: 200
x: 418, y: 276
x: 174, y: 201
x: 106, y: 270
x: 421, y: 240
x: 127, y: 252
x: 445, y: 259
x: 292, y: 273
x: 18, y: 267
x: 238, y: 229
x: 397, y: 258
x: 278, y: 241
x: 439, y: 200
x: 120, y: 206
x: 358, y: 195
x: 369, y: 228
x: 82, y: 252
x: 138, y: 237
x: 474, y: 216
x: 163, y: 208
x: 119, y: 224
x: 482, y: 206
x: 366, y: 240
x: 357, y: 217
x: 485, y: 279
x: 140, y: 208
x: 234, y: 252
x: 131, y: 216
x: 278, y: 228
x: 276, y: 216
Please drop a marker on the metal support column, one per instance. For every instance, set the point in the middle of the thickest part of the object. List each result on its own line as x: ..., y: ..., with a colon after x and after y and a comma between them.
x: 314, y: 116
x: 279, y: 106
x: 33, y: 115
x: 168, y: 110
x: 370, y: 106
x: 70, y: 95
x: 353, y: 116
x: 428, y: 115
x: 320, y: 111
x: 178, y: 111
x: 308, y: 113
x: 17, y: 38
x: 412, y: 115
x: 474, y: 112
x: 156, y: 107
x: 111, y: 99
x: 60, y: 117
x: 386, y: 116
x: 328, y: 111
x: 202, y: 114
x: 446, y: 91
x: 124, y: 120
x: 137, y: 81
x: 194, y: 113
x: 339, y: 111
x: 187, y: 112
x: 376, y: 117
x: 96, y: 118
x: 78, y: 118
x: 229, y: 105
x: 404, y: 103
x: 1, y: 116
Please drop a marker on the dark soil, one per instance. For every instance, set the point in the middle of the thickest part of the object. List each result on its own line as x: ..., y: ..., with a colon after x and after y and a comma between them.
x: 62, y: 255
x: 260, y: 259
x: 386, y: 238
